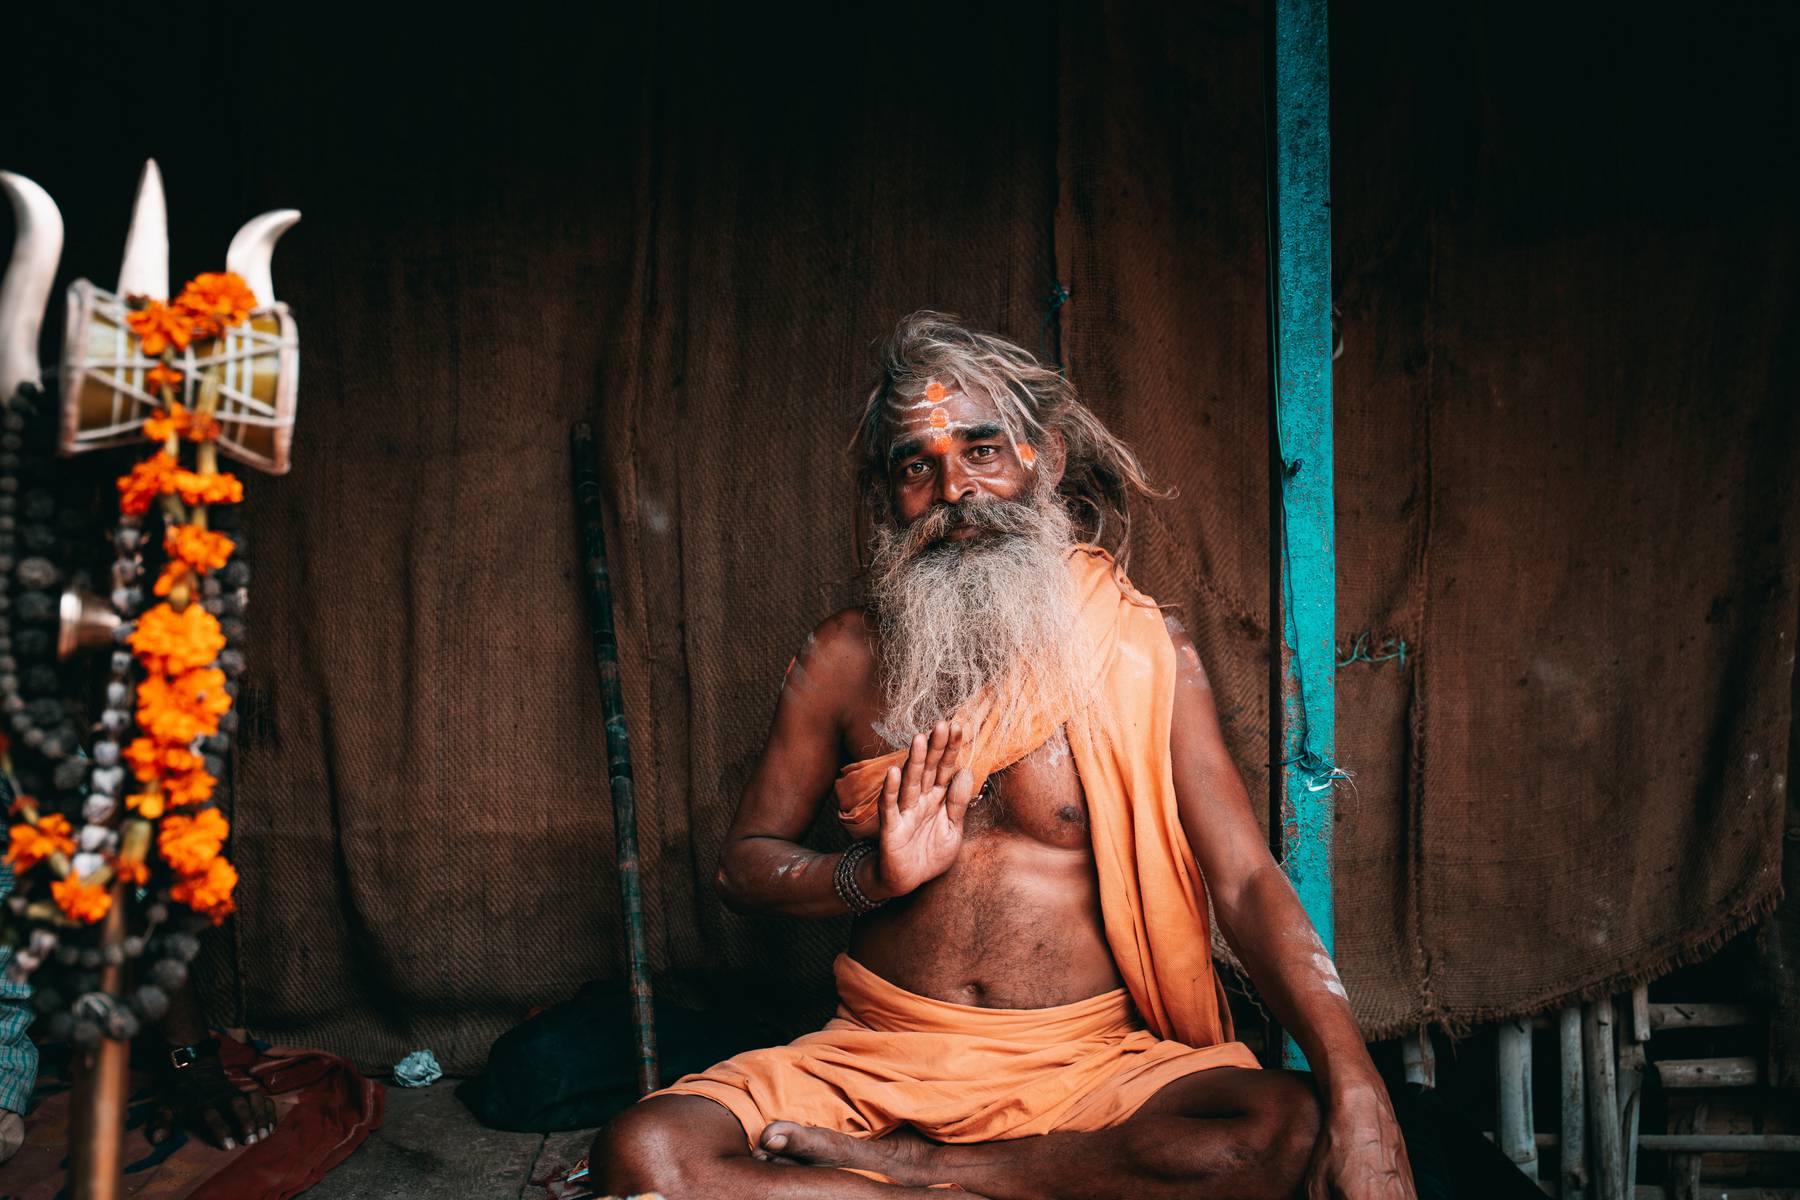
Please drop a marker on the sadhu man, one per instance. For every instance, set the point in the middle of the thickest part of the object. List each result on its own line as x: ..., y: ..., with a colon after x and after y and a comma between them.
x: 1029, y: 756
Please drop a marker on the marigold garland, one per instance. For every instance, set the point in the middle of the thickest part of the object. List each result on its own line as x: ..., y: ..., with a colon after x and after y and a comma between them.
x: 182, y: 695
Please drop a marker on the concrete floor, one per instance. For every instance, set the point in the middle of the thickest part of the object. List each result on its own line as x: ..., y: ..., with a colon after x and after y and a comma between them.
x: 430, y: 1146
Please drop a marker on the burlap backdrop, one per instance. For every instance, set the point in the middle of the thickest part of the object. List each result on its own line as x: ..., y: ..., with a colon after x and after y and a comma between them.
x: 1566, y: 436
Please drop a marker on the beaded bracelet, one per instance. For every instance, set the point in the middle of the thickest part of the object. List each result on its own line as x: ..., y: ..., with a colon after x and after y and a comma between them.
x: 844, y: 879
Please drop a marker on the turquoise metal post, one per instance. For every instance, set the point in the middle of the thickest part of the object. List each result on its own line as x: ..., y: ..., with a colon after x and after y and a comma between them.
x: 1300, y: 311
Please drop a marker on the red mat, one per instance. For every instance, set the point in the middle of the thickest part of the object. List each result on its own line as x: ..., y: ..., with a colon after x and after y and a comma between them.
x: 325, y: 1109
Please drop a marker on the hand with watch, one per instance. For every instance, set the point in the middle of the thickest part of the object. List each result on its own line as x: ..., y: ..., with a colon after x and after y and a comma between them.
x: 193, y: 1092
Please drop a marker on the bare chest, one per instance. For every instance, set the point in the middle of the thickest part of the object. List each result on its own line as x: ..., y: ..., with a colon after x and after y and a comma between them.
x: 1039, y: 797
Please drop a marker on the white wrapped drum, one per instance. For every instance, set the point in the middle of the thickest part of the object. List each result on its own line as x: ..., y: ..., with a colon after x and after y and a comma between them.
x: 105, y: 398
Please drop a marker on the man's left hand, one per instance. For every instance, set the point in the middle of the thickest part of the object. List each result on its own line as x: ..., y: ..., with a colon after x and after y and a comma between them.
x: 1360, y: 1154
x: 201, y: 1099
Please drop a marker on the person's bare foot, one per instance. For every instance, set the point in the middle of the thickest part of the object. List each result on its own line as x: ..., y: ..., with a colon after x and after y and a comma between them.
x: 902, y: 1155
x: 12, y: 1133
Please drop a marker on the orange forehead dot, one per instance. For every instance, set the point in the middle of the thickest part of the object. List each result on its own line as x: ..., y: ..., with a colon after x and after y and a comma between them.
x: 940, y: 442
x: 940, y: 419
x: 935, y: 392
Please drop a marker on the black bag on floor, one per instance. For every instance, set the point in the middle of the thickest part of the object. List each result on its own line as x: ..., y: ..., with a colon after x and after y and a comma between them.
x: 574, y: 1065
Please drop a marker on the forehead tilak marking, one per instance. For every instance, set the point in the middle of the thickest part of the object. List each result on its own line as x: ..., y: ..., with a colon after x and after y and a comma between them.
x: 934, y: 397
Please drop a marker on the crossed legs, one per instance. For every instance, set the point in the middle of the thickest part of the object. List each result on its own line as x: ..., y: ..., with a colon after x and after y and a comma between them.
x: 1225, y: 1134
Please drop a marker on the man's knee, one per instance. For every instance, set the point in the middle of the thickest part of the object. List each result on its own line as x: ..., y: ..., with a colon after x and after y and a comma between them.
x: 639, y: 1150
x: 1286, y: 1120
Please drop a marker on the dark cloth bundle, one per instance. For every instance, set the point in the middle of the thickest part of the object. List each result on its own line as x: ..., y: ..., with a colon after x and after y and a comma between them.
x: 573, y: 1065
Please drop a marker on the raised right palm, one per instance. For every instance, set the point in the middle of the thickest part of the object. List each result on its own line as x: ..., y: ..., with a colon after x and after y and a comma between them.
x: 922, y: 811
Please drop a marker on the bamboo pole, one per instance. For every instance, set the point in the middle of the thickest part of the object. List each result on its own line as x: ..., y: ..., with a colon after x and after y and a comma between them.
x: 585, y: 465
x: 1513, y: 1129
x: 1572, y: 1166
x: 102, y: 1081
x: 1419, y: 1060
x: 1603, y: 1098
x: 1631, y: 1081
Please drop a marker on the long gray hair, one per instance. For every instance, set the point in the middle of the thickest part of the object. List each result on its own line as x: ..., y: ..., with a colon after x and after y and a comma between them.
x: 1100, y: 473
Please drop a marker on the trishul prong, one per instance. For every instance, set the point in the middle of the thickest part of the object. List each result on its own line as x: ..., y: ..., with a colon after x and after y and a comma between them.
x: 26, y: 286
x: 144, y: 271
x: 254, y: 246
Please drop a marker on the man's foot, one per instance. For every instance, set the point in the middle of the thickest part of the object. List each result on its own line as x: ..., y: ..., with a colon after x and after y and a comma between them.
x: 12, y: 1133
x: 902, y: 1155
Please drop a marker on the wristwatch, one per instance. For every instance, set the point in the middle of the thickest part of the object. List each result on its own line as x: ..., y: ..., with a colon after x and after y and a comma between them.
x: 183, y: 1057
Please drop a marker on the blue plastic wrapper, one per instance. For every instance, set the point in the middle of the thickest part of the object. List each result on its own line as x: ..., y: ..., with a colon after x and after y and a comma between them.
x: 418, y: 1069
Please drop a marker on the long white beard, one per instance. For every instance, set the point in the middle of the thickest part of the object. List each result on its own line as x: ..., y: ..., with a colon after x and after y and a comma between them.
x: 996, y: 610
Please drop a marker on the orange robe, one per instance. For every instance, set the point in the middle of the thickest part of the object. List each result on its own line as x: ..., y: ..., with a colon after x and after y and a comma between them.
x: 964, y: 1074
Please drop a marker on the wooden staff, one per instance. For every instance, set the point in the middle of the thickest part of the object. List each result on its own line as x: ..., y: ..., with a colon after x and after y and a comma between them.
x: 586, y: 474
x: 101, y: 1083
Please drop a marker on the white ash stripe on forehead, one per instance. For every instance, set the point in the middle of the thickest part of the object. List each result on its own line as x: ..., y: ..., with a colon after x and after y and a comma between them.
x: 925, y: 402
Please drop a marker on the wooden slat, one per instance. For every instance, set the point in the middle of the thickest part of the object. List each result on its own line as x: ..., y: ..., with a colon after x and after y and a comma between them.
x: 1698, y: 1016
x: 1708, y: 1072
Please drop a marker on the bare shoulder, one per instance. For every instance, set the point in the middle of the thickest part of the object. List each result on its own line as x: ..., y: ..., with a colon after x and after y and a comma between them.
x: 838, y: 656
x: 1188, y: 670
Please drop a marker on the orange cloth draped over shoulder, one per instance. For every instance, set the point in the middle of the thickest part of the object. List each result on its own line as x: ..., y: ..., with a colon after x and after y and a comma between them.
x: 1152, y: 898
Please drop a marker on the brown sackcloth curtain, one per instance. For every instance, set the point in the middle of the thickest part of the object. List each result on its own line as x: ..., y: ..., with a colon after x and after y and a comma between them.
x: 1566, y: 442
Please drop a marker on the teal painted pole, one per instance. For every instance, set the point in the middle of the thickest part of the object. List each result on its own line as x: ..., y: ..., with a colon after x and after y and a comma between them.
x: 1300, y: 318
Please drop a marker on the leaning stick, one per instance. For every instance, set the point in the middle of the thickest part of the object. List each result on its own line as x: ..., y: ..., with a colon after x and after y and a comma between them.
x: 101, y: 1081
x: 586, y: 473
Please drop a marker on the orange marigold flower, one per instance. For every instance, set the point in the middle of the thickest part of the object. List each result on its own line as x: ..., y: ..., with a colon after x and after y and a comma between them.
x: 32, y: 844
x: 161, y: 376
x: 177, y: 710
x: 190, y: 843
x: 148, y: 805
x: 208, y: 892
x: 144, y: 758
x: 200, y: 548
x: 185, y: 422
x: 131, y: 871
x: 201, y: 427
x: 170, y: 642
x: 193, y: 787
x: 196, y: 488
x: 153, y: 477
x: 160, y: 326
x: 172, y: 574
x: 165, y: 425
x: 82, y: 901
x: 150, y: 761
x: 221, y: 295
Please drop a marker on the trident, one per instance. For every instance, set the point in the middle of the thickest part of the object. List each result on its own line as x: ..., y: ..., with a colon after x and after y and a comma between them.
x: 104, y: 400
